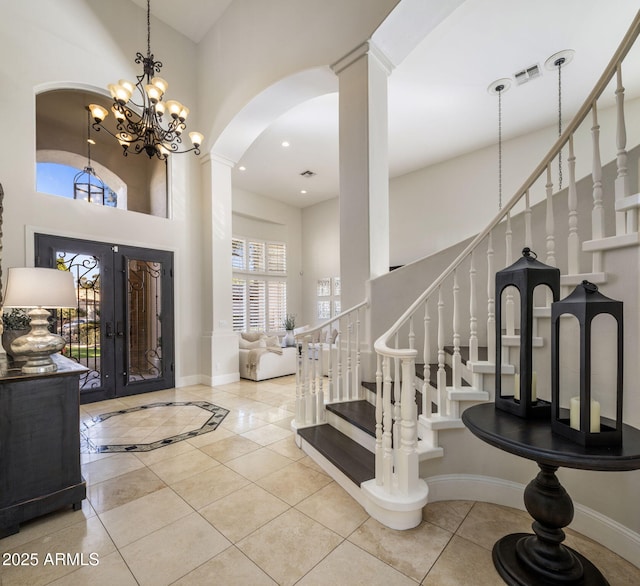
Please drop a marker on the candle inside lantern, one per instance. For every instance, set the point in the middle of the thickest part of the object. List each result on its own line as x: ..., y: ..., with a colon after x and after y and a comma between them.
x: 534, y: 387
x: 574, y: 415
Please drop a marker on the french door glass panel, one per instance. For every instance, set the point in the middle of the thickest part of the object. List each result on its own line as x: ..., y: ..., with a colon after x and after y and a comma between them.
x: 122, y: 327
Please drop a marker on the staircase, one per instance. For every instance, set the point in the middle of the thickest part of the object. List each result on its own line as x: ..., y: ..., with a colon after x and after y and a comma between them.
x: 438, y: 358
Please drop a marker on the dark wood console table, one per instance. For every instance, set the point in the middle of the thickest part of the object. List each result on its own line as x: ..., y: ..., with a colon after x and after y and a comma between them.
x: 541, y: 558
x: 39, y: 443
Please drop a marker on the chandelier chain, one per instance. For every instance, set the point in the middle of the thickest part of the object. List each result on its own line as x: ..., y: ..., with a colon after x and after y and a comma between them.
x: 149, y: 28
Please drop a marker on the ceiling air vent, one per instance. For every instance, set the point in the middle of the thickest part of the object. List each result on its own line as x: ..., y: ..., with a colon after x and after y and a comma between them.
x: 307, y: 174
x: 527, y: 74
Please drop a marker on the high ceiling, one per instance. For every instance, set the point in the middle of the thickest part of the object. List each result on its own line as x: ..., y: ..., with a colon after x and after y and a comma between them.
x: 439, y: 106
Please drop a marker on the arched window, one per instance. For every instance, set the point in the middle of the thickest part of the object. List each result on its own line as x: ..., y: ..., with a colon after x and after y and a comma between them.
x: 56, y: 170
x: 135, y: 182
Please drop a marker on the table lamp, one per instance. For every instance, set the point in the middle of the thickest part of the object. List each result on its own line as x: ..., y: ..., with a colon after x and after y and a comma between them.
x: 38, y: 288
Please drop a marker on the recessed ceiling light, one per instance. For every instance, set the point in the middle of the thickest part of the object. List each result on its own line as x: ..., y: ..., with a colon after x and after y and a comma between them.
x: 303, y: 191
x: 242, y: 168
x: 285, y: 143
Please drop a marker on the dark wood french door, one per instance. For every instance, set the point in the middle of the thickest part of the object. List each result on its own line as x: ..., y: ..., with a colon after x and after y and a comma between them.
x: 122, y: 327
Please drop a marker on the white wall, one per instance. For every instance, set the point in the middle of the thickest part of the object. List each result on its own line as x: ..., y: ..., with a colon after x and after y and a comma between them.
x: 321, y: 251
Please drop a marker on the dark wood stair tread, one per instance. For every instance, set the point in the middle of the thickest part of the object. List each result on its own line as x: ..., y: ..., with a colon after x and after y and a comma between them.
x: 356, y: 462
x: 362, y: 414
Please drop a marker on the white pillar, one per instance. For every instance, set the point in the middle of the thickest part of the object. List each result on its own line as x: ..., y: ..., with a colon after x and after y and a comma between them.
x: 220, y: 345
x: 364, y: 169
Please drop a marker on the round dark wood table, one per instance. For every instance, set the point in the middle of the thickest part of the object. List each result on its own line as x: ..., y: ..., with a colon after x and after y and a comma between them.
x: 540, y: 557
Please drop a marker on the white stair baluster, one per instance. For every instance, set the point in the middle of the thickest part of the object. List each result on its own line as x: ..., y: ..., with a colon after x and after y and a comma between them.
x: 442, y: 375
x: 426, y: 373
x: 457, y: 360
x: 550, y: 230
x: 397, y: 398
x: 528, y: 241
x: 473, y: 320
x: 573, y: 240
x: 510, y: 312
x: 625, y: 222
x: 491, y: 302
x: 379, y: 401
x: 597, y: 215
x: 387, y: 423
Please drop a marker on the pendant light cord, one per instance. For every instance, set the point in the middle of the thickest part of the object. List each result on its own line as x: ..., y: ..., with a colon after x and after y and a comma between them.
x: 499, y: 90
x: 148, y: 28
x: 559, y: 63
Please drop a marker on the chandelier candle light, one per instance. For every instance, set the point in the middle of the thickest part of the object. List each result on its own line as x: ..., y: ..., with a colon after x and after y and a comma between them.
x: 151, y: 126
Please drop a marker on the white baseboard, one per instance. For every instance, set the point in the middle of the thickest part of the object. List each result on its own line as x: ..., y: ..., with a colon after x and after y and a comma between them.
x: 222, y: 379
x: 189, y: 381
x: 596, y: 526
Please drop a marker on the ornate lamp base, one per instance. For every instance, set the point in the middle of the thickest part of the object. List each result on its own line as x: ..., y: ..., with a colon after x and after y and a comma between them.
x: 38, y: 345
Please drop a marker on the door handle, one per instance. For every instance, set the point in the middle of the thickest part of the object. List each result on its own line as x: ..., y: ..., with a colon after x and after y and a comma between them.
x: 109, y: 330
x: 119, y: 329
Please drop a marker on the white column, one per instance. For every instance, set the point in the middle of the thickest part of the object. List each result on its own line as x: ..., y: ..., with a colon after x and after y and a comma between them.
x: 364, y: 169
x: 220, y: 346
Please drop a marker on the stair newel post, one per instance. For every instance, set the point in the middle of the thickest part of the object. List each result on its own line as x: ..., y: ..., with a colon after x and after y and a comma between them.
x: 491, y: 294
x: 317, y: 375
x: 308, y: 414
x: 456, y: 359
x: 528, y: 241
x: 356, y: 377
x: 387, y: 425
x: 330, y: 373
x: 349, y: 387
x: 338, y: 378
x: 510, y: 312
x: 300, y: 414
x: 319, y: 366
x: 426, y: 360
x: 473, y: 320
x: 379, y: 448
x: 407, y: 472
x: 597, y: 215
x: 573, y: 240
x: 626, y: 222
x: 442, y: 376
x: 551, y: 229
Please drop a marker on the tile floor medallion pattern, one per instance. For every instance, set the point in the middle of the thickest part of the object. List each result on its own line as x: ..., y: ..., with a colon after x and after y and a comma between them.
x: 214, y: 417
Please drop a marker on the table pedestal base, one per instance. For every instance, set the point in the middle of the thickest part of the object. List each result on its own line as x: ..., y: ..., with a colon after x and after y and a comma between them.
x: 514, y: 572
x: 530, y: 560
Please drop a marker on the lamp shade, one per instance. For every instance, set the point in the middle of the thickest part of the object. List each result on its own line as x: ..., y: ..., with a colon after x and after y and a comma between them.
x: 39, y: 287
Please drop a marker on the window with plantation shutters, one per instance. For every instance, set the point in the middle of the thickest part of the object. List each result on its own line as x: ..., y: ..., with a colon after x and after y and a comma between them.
x: 238, y: 254
x: 259, y: 284
x: 276, y: 257
x: 239, y: 301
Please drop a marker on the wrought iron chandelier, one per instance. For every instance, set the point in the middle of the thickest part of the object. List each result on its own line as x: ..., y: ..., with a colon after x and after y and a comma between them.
x: 151, y: 126
x: 87, y: 185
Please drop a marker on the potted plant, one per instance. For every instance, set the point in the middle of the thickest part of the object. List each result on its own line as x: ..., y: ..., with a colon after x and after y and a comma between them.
x: 289, y: 323
x: 15, y: 323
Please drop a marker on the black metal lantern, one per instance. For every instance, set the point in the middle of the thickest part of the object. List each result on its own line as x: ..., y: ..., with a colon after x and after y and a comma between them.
x: 525, y: 274
x: 581, y: 419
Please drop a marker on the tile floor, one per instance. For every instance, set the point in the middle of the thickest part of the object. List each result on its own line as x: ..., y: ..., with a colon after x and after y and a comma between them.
x: 242, y: 505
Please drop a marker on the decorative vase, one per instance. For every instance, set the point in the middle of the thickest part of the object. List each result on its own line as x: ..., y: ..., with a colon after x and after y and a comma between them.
x: 289, y: 339
x: 8, y: 336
